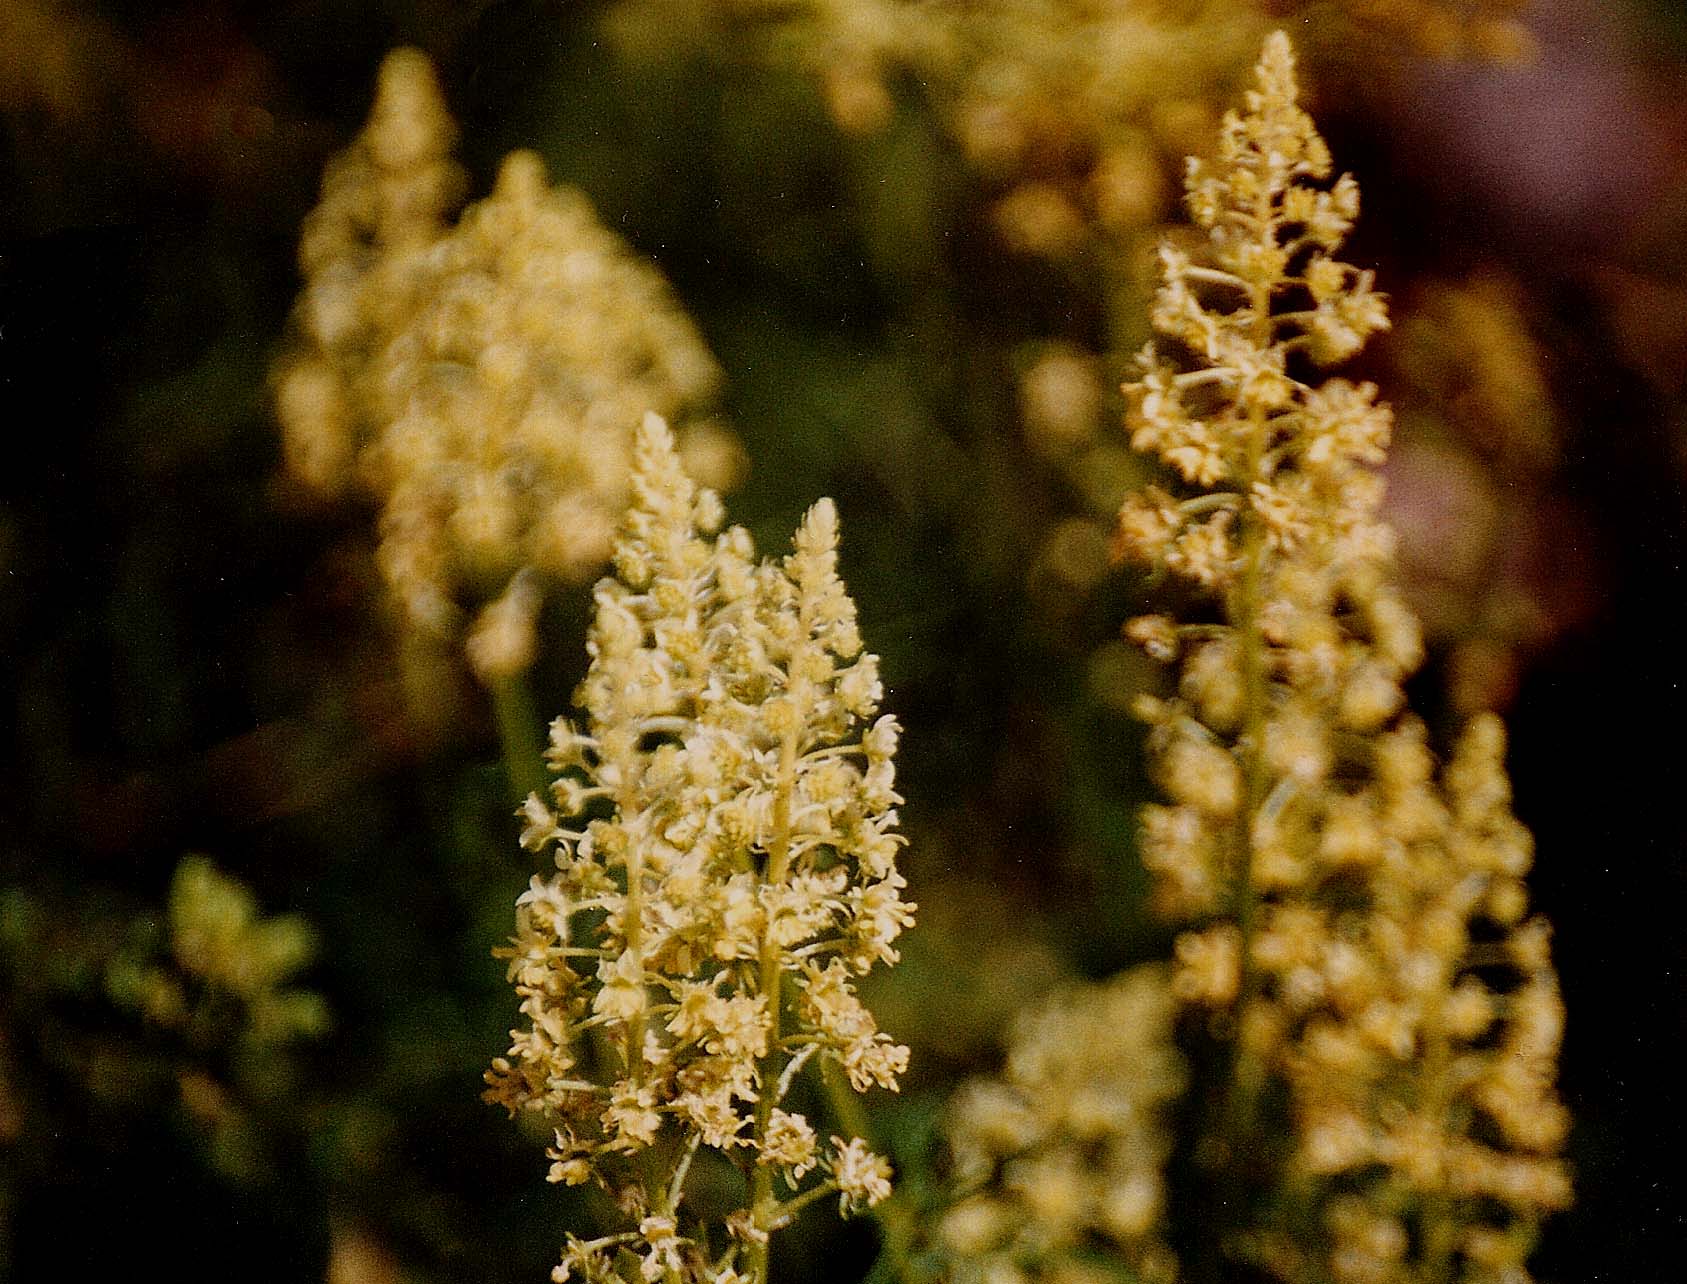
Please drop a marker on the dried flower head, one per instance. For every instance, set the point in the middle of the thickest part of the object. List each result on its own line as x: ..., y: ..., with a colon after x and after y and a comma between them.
x: 1361, y: 918
x: 1064, y: 1152
x: 482, y: 379
x: 724, y: 830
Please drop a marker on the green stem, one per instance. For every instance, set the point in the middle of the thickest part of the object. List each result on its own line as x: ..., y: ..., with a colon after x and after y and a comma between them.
x: 763, y: 1206
x: 1244, y: 894
x: 633, y: 929
x: 676, y: 1179
x: 895, y: 1219
x: 845, y: 1105
x: 1242, y: 1076
x: 524, y: 761
x: 791, y: 1207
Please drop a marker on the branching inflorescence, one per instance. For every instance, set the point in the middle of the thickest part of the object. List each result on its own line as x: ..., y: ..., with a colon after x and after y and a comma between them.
x: 1360, y: 917
x: 481, y: 378
x: 724, y: 834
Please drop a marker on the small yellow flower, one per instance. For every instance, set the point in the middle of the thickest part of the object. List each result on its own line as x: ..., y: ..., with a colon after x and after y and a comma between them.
x: 863, y: 1178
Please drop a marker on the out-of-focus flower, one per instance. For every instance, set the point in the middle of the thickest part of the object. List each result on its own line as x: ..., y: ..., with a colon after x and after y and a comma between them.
x: 481, y: 379
x: 52, y: 50
x: 1492, y: 551
x: 1359, y: 919
x: 1066, y: 1148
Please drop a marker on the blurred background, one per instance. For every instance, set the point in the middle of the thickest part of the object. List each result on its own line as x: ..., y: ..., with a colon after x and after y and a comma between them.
x: 252, y: 867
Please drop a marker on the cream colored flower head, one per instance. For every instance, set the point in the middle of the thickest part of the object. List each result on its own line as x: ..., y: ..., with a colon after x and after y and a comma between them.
x: 1066, y: 1149
x: 481, y: 379
x: 723, y: 828
x: 1358, y: 917
x: 1266, y: 300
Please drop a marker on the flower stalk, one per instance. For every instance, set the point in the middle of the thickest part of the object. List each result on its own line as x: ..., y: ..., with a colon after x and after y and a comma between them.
x: 1338, y: 887
x: 733, y: 836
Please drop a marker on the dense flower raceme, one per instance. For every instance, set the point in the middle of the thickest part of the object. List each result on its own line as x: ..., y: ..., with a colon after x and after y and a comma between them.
x: 1362, y: 917
x: 728, y: 871
x: 482, y: 379
x: 1062, y: 1155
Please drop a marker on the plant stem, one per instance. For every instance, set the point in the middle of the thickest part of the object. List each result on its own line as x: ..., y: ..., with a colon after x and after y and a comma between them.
x: 1241, y: 1076
x: 1246, y: 613
x: 633, y: 929
x: 896, y: 1221
x: 762, y: 1203
x: 791, y: 1207
x: 524, y: 762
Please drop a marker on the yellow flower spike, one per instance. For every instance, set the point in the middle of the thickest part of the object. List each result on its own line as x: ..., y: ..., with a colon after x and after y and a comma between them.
x: 1357, y: 915
x: 1065, y: 1149
x: 714, y: 927
x: 481, y: 380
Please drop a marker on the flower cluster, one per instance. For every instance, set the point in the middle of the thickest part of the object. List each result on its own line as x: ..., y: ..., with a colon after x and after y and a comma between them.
x: 1063, y: 1154
x: 1070, y: 111
x: 481, y: 378
x: 1362, y: 918
x: 1412, y: 1008
x: 1073, y: 117
x: 724, y: 836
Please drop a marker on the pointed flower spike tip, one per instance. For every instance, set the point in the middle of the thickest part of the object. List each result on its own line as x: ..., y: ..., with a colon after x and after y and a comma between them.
x: 409, y: 124
x: 819, y: 532
x: 1276, y: 69
x: 660, y: 483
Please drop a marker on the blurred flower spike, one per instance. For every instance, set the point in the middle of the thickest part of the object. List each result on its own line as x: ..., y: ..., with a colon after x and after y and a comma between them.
x: 1359, y: 918
x: 481, y: 380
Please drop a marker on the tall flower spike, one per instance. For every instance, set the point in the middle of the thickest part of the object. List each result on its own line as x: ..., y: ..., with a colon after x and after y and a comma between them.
x: 724, y: 831
x: 482, y: 379
x: 1360, y: 918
